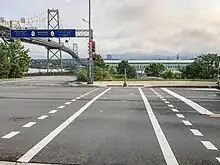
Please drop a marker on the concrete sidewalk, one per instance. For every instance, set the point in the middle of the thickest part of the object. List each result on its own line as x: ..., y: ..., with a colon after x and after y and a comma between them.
x: 158, y: 83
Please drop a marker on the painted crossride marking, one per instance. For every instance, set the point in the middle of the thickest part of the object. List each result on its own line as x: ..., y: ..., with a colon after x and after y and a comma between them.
x: 164, y: 145
x: 10, y: 135
x: 174, y: 110
x: 30, y: 124
x: 40, y: 145
x: 209, y: 145
x: 194, y: 105
x: 180, y: 116
x: 170, y: 105
x: 196, y: 132
x: 186, y: 122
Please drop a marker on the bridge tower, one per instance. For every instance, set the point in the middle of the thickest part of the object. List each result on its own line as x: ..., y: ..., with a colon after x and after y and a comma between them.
x: 54, y: 23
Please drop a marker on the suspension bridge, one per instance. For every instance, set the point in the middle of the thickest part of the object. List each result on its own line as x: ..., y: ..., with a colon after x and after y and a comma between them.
x: 49, y: 19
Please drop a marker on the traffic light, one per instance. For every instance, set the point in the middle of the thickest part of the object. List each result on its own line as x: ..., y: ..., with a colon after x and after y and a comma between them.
x: 92, y: 46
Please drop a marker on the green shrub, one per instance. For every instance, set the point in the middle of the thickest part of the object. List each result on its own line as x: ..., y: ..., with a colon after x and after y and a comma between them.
x: 81, y: 74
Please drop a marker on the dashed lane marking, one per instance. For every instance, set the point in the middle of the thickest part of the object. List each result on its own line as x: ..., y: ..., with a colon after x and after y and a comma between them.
x: 53, y: 111
x: 30, y: 124
x: 209, y: 145
x: 67, y: 103
x: 164, y: 99
x: 167, y: 102
x: 186, y: 122
x: 60, y: 107
x: 73, y: 100
x: 180, y: 116
x: 164, y: 145
x: 78, y: 98
x: 42, y: 117
x: 40, y: 145
x: 170, y: 105
x: 194, y: 105
x: 10, y: 135
x: 174, y: 110
x: 196, y: 132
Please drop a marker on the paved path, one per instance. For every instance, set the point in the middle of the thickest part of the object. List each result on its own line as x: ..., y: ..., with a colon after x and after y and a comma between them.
x: 72, y: 125
x: 158, y: 83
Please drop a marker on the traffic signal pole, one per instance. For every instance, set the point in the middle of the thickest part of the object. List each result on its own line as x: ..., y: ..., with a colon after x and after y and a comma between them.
x: 89, y: 70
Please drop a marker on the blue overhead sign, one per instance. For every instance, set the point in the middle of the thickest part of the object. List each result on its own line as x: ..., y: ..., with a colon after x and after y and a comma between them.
x: 41, y: 33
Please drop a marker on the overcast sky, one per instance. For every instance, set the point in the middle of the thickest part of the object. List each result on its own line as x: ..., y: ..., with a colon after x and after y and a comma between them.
x: 133, y: 26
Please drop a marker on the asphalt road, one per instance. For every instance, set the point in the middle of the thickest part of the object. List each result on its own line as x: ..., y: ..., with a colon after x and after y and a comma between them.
x: 117, y: 126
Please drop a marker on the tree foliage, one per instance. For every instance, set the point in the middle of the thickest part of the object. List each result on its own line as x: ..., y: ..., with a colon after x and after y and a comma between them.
x: 205, y: 66
x: 14, y: 60
x: 131, y: 71
x: 155, y: 69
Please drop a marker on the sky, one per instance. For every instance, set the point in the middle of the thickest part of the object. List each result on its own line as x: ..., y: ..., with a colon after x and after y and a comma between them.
x: 134, y: 27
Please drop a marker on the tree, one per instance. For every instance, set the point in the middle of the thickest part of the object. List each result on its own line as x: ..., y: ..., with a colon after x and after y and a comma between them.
x: 14, y: 59
x: 155, y: 69
x: 131, y: 71
x: 168, y: 74
x: 4, y: 64
x: 98, y: 61
x: 205, y: 66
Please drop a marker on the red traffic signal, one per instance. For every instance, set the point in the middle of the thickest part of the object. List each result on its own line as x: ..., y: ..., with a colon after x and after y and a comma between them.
x: 92, y: 46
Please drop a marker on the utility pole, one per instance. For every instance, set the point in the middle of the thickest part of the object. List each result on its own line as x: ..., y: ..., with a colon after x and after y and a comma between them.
x: 125, y: 78
x: 90, y: 74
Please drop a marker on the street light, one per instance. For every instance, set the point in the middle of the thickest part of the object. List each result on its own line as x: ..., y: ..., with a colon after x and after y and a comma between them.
x: 85, y: 20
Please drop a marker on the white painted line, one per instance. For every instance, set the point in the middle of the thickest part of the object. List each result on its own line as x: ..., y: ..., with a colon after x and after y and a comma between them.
x: 209, y: 145
x: 180, y: 116
x: 73, y: 100
x: 53, y: 111
x: 78, y: 98
x: 164, y: 145
x: 15, y: 163
x: 40, y: 145
x: 203, y: 89
x: 30, y: 124
x: 196, y: 132
x: 60, y: 107
x: 82, y: 95
x: 186, y: 122
x: 194, y: 105
x: 67, y: 103
x: 10, y: 135
x: 218, y: 158
x: 42, y: 117
x: 174, y: 110
x: 167, y: 102
x: 170, y: 105
x: 164, y: 99
x: 7, y: 163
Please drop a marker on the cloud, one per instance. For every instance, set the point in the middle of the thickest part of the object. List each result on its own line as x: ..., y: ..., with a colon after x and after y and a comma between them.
x: 144, y: 26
